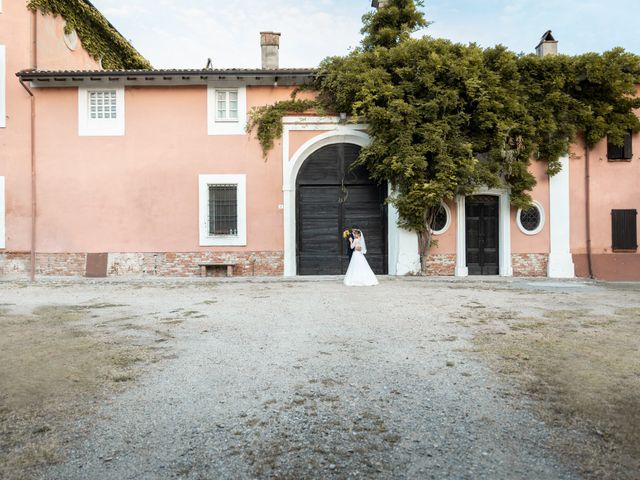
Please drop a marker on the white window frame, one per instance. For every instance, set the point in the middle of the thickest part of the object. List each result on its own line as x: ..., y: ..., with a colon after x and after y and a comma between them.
x: 207, y: 240
x: 537, y: 205
x: 227, y: 103
x: 3, y: 243
x: 93, y: 127
x: 447, y: 224
x: 3, y: 85
x: 227, y: 126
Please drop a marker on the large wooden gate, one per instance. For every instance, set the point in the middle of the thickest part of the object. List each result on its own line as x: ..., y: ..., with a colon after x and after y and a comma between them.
x: 330, y: 197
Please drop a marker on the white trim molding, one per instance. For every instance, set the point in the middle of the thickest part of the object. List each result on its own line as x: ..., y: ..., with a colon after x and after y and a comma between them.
x: 402, y: 245
x: 537, y: 205
x: 3, y: 86
x: 226, y: 126
x: 3, y: 241
x: 207, y: 240
x: 93, y: 127
x: 560, y: 259
x: 504, y: 232
x: 461, y: 238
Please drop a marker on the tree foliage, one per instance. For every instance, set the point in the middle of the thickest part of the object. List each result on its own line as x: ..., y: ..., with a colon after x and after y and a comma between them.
x: 267, y: 120
x: 99, y: 38
x: 446, y: 118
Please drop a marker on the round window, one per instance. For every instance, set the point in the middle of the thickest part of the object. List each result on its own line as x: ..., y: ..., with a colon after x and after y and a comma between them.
x: 531, y: 220
x: 442, y: 220
x: 71, y: 40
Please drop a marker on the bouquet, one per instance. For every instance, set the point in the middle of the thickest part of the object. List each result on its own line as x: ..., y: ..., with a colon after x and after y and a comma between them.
x: 346, y: 233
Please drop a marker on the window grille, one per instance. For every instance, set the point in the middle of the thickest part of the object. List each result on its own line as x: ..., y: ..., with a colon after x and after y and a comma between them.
x: 103, y: 105
x: 621, y: 152
x: 223, y: 210
x: 624, y: 230
x: 530, y: 218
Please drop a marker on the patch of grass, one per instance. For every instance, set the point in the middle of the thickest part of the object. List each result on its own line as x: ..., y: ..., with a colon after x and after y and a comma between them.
x: 172, y: 321
x: 527, y: 325
x: 122, y: 377
x: 566, y: 314
x: 629, y: 312
x: 585, y: 372
x: 125, y: 359
x: 51, y: 372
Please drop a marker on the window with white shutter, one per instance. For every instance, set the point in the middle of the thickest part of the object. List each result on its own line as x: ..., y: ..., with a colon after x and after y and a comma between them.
x: 2, y: 215
x: 3, y: 85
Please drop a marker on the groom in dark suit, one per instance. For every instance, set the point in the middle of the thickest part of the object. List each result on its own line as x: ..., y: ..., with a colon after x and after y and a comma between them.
x: 349, y: 239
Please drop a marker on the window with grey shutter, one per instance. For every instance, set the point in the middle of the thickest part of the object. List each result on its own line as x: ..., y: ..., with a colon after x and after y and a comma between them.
x: 223, y: 209
x: 624, y: 230
x: 621, y: 152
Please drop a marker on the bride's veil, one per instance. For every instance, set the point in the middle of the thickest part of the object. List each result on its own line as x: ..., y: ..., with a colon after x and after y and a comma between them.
x: 364, y: 244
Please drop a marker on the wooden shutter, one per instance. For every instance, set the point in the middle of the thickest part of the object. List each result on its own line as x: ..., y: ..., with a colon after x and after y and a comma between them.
x: 623, y: 152
x: 628, y: 145
x: 624, y: 230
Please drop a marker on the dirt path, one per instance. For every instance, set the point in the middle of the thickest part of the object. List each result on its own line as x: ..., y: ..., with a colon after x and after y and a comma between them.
x: 312, y: 380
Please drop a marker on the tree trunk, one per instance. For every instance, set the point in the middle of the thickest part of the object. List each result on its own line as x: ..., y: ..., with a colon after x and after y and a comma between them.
x: 425, y: 236
x: 424, y: 244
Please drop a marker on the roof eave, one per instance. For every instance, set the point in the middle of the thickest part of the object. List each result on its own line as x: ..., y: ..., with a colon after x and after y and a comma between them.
x: 284, y: 77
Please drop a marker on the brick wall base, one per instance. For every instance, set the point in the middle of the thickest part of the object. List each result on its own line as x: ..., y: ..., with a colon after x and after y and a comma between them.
x: 529, y: 264
x: 441, y: 264
x: 168, y: 264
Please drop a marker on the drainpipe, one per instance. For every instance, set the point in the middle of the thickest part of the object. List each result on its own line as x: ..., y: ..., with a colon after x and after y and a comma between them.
x: 587, y: 199
x: 34, y: 65
x: 33, y: 181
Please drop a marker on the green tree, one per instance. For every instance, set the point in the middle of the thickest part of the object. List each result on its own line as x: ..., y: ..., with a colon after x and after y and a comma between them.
x: 446, y: 118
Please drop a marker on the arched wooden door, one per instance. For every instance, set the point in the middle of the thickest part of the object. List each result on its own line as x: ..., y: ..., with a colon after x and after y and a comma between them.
x: 331, y: 197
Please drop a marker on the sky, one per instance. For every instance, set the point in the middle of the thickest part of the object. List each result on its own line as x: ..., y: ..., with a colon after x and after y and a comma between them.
x: 185, y: 33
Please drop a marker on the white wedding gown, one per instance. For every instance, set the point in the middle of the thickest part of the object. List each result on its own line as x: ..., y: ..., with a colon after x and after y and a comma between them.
x: 359, y: 273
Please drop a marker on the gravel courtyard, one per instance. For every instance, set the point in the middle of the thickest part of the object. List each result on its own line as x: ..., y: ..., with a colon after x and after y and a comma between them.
x: 310, y: 379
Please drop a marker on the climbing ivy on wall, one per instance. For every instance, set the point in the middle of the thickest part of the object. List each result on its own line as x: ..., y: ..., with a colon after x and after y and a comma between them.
x: 267, y: 120
x: 446, y: 118
x: 98, y: 37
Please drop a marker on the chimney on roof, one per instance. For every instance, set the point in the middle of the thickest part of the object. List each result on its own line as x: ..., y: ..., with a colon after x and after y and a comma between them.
x: 548, y: 45
x: 379, y: 3
x: 270, y: 44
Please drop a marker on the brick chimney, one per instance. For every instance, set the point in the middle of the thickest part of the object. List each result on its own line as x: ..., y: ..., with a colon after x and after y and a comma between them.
x: 548, y: 45
x: 270, y: 43
x: 379, y: 3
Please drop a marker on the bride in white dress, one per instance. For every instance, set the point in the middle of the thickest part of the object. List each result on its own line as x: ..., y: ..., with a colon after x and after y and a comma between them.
x: 359, y: 273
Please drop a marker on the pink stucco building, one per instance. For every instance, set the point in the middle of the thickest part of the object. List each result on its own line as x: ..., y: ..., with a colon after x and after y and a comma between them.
x: 151, y: 172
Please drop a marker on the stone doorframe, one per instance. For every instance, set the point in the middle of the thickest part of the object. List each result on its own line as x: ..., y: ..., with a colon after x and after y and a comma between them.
x: 332, y: 131
x: 504, y: 232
